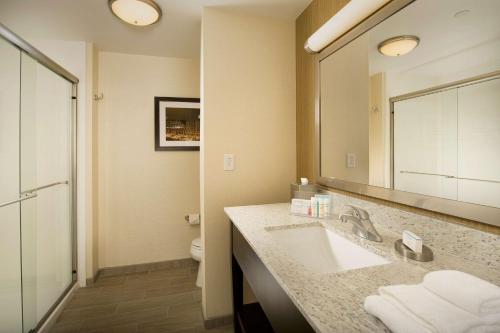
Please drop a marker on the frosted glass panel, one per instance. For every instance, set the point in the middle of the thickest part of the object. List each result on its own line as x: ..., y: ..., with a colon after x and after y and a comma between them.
x: 425, y: 144
x: 479, y: 143
x: 45, y: 121
x: 46, y: 234
x: 47, y: 255
x: 10, y: 272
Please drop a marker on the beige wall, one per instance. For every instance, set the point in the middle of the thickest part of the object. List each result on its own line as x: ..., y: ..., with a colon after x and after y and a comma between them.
x: 345, y: 112
x: 377, y: 130
x: 143, y: 195
x: 248, y: 96
x: 313, y: 17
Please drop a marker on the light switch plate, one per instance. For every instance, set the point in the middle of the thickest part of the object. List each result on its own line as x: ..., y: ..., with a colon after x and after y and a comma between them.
x: 351, y: 160
x: 228, y: 162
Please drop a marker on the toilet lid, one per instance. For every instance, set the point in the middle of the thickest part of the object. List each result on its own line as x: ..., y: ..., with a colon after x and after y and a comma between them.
x: 196, y: 242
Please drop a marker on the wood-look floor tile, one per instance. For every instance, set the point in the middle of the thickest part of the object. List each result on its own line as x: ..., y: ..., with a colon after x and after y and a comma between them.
x: 110, y: 281
x: 155, y: 301
x: 141, y: 299
x: 129, y: 318
x: 103, y: 298
x: 67, y: 327
x: 87, y: 312
x: 193, y: 308
x: 188, y: 320
x: 130, y: 328
x: 170, y: 290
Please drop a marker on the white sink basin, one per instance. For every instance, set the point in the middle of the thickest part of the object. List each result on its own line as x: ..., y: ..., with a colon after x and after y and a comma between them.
x: 323, y: 251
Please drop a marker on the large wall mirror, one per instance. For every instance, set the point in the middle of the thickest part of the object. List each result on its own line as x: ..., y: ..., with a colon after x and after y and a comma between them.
x: 409, y: 108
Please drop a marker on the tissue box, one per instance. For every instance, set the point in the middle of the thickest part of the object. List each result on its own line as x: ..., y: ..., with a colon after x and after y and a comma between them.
x: 298, y: 191
x: 412, y: 241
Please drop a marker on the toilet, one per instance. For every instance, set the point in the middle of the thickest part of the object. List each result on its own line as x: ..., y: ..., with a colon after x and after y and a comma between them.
x: 196, y: 254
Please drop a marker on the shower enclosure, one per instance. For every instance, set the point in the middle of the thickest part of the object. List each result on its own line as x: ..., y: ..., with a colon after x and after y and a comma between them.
x: 37, y: 184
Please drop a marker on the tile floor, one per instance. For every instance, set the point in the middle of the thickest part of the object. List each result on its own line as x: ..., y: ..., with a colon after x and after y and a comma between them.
x: 157, y: 299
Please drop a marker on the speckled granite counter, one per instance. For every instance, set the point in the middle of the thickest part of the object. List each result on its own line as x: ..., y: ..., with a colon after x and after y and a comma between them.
x: 334, y: 302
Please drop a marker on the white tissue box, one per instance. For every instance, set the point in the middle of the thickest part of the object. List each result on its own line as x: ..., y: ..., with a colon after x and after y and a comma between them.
x: 412, y: 241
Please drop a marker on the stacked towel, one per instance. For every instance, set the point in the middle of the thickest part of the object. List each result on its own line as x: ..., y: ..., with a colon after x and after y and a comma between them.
x: 465, y: 291
x: 447, y: 301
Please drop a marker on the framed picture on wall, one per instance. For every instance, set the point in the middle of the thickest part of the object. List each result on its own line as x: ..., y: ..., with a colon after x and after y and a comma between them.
x: 177, y: 123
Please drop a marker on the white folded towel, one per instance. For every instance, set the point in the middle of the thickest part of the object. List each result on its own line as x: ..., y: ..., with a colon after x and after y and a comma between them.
x: 397, y: 321
x: 465, y: 291
x: 485, y: 329
x: 429, y: 310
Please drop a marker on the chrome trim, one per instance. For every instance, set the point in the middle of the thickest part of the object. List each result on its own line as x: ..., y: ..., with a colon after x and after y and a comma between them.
x: 450, y: 176
x: 18, y: 200
x: 406, y: 252
x: 426, y: 174
x: 41, y: 58
x: 308, y: 49
x: 149, y: 2
x: 64, y: 182
x: 73, y: 179
x: 448, y: 86
x: 474, y: 212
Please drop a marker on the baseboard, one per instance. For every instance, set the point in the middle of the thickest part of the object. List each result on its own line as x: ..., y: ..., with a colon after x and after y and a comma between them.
x: 142, y: 268
x: 217, y: 322
x: 47, y: 325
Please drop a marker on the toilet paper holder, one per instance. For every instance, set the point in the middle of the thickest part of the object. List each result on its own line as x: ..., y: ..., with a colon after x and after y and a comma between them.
x: 192, y: 218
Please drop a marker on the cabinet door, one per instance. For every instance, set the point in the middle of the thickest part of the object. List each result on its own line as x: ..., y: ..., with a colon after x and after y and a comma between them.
x: 10, y: 273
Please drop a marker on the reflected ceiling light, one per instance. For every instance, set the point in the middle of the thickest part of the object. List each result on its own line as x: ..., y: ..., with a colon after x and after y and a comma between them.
x: 136, y: 12
x: 397, y: 46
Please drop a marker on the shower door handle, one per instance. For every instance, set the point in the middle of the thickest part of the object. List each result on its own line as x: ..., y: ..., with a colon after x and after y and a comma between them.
x: 18, y: 200
x: 33, y: 190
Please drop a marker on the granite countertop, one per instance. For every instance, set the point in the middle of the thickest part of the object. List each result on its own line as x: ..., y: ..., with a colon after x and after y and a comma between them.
x: 333, y: 302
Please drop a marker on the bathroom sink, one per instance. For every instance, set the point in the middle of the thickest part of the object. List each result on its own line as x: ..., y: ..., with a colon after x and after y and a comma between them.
x: 323, y: 251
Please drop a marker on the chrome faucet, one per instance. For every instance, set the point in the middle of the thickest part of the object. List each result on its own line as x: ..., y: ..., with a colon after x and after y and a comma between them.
x: 362, y: 226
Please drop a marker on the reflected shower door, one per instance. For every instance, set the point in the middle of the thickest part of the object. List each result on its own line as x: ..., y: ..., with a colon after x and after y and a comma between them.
x: 10, y: 273
x: 46, y: 228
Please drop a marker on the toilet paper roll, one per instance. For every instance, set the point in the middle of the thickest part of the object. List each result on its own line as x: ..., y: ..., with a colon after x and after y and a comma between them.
x: 193, y: 218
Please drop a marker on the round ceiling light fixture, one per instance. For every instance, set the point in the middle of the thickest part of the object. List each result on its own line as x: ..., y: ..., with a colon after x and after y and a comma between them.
x: 398, y: 46
x: 136, y: 12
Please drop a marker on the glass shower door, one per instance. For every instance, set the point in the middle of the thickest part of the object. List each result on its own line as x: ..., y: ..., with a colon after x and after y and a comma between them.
x: 45, y: 170
x: 10, y: 252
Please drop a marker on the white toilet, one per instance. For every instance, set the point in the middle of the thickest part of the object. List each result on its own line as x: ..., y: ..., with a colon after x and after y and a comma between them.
x: 197, y: 254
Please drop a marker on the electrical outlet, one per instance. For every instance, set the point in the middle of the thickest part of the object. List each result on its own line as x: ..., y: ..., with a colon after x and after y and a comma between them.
x: 228, y: 162
x: 351, y: 160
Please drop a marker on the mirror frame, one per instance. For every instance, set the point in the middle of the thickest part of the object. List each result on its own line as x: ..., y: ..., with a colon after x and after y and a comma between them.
x: 474, y: 212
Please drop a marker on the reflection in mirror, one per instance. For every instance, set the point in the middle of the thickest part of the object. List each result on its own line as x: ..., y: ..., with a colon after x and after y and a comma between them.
x: 426, y: 121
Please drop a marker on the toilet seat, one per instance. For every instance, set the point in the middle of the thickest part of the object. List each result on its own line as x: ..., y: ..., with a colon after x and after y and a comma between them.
x: 196, y: 249
x: 196, y: 243
x: 197, y: 254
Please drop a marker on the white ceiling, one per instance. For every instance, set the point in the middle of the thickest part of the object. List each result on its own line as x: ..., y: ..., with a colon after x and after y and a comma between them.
x: 176, y: 35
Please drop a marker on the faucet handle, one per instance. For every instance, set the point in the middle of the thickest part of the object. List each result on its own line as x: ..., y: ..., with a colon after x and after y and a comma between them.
x: 359, y: 212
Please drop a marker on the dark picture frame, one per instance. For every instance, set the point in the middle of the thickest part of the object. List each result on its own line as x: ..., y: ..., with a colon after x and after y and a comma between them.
x: 162, y: 141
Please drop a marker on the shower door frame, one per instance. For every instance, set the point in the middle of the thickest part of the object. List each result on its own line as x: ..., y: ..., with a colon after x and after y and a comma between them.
x: 42, y: 59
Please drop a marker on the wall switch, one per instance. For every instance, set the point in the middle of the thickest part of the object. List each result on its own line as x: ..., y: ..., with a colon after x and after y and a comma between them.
x: 228, y: 162
x: 351, y: 160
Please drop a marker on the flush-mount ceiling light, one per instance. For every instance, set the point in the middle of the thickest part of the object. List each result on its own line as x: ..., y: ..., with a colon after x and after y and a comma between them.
x: 136, y: 12
x: 397, y: 46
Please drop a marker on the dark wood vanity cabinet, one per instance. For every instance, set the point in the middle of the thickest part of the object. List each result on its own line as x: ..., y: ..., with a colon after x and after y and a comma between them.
x: 274, y: 312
